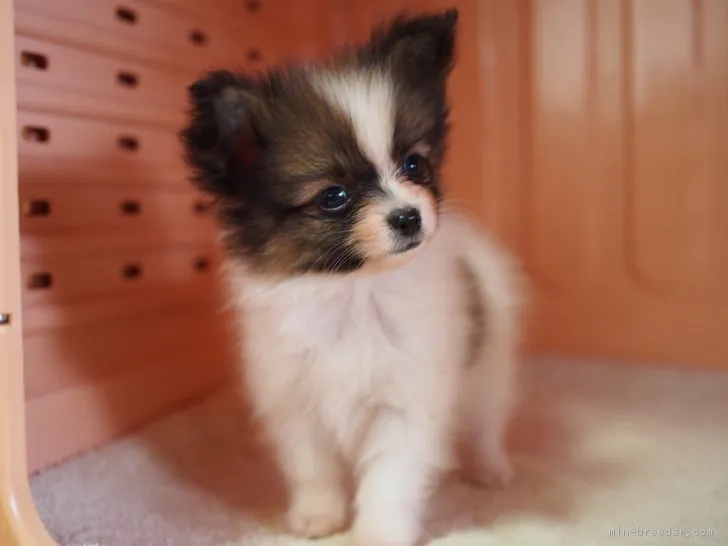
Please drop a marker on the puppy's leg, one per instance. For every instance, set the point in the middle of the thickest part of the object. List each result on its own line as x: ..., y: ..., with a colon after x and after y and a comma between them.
x: 489, y: 399
x: 312, y: 469
x: 396, y: 472
x: 490, y: 385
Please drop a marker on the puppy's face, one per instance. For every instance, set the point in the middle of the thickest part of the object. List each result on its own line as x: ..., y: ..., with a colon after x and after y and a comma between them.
x: 329, y: 169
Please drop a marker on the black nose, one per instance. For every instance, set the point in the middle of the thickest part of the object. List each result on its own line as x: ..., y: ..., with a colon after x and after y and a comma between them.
x: 406, y: 222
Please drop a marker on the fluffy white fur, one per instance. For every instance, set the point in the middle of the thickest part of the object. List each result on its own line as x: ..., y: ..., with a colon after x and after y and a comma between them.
x: 368, y: 371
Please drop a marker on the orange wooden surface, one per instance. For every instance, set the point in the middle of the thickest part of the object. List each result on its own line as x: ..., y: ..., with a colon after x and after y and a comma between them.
x: 118, y: 284
x: 606, y: 125
x: 588, y: 134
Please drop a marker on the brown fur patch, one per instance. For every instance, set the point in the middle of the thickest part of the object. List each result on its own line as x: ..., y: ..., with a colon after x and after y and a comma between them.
x: 476, y: 314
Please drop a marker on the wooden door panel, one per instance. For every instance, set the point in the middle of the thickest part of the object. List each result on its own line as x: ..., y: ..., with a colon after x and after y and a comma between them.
x: 668, y: 214
x: 559, y: 199
x: 605, y: 170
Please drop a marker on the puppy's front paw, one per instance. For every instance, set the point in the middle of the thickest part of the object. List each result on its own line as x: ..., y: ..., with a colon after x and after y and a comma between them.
x: 317, y: 512
x: 364, y: 539
x: 382, y: 534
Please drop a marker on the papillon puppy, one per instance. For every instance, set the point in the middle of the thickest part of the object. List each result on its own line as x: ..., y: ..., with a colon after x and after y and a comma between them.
x: 378, y: 329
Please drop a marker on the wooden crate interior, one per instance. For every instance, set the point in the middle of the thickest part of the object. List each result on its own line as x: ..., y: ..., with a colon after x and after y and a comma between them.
x: 589, y: 137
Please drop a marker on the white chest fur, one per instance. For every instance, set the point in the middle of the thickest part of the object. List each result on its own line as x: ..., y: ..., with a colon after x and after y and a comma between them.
x: 342, y: 346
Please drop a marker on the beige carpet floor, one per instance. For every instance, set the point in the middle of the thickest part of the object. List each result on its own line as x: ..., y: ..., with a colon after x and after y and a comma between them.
x: 606, y: 454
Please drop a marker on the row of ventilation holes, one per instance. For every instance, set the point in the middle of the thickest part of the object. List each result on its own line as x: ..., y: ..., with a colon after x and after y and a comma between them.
x: 42, y: 208
x: 42, y: 135
x: 126, y: 15
x: 37, y: 208
x: 130, y: 272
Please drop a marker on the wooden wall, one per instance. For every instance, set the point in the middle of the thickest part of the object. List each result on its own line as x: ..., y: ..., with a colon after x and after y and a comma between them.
x: 606, y: 170
x: 589, y: 135
x: 121, y: 311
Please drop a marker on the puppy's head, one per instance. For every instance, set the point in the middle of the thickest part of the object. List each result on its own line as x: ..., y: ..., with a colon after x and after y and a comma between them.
x: 332, y: 168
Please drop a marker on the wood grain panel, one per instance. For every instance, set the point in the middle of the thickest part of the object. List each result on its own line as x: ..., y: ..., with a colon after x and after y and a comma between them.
x: 224, y: 10
x: 180, y: 39
x: 51, y: 207
x: 64, y: 67
x: 106, y: 409
x: 88, y: 242
x: 502, y: 53
x: 40, y: 98
x: 463, y: 170
x: 648, y: 103
x: 714, y: 20
x: 117, y: 308
x: 561, y: 187
x: 51, y: 136
x: 49, y: 280
x: 115, y: 42
x: 61, y: 149
x: 288, y: 29
x: 668, y: 238
x: 71, y: 357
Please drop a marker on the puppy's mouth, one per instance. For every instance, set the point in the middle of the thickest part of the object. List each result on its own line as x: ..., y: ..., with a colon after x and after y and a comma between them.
x: 405, y: 246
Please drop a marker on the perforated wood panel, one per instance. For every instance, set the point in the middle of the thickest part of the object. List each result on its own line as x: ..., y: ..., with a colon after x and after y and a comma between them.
x: 119, y: 295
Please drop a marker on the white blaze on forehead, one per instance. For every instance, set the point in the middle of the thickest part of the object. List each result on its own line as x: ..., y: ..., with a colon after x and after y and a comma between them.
x: 367, y: 98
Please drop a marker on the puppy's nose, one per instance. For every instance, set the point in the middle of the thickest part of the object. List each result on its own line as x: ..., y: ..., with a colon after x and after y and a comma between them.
x: 406, y: 221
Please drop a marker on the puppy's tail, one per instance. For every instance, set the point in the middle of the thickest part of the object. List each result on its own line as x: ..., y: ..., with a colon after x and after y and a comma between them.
x: 502, y: 290
x: 501, y: 282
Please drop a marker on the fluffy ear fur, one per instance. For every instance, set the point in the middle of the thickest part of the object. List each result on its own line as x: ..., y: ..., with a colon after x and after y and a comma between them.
x: 226, y: 108
x: 219, y: 130
x: 419, y: 48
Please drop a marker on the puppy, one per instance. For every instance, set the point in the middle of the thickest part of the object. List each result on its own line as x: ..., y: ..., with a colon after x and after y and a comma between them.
x: 379, y: 329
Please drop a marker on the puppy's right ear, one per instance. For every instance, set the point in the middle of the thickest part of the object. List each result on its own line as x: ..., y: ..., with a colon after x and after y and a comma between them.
x: 219, y: 129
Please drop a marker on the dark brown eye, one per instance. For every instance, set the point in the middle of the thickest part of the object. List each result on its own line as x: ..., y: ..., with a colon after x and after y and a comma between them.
x: 333, y: 199
x: 414, y: 166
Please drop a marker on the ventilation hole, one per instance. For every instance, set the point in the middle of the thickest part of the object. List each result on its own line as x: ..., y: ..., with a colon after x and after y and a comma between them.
x: 4, y: 319
x: 198, y: 37
x: 126, y: 15
x: 127, y: 79
x: 37, y: 208
x: 129, y: 143
x: 131, y: 208
x: 201, y: 206
x: 40, y: 281
x: 131, y: 271
x: 254, y: 55
x: 253, y: 6
x: 34, y: 60
x: 202, y: 264
x: 36, y: 134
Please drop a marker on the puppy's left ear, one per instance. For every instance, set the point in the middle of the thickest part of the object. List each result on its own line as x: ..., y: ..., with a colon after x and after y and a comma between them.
x: 421, y: 47
x: 219, y: 129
